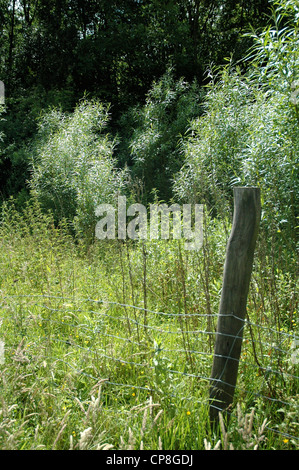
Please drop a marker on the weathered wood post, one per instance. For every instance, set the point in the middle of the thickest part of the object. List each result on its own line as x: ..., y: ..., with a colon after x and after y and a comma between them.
x: 232, y: 309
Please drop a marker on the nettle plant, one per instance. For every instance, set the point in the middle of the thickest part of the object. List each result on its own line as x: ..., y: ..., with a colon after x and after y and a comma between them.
x: 73, y: 170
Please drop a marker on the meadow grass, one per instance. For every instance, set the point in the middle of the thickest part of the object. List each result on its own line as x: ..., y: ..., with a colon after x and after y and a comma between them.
x: 110, y: 346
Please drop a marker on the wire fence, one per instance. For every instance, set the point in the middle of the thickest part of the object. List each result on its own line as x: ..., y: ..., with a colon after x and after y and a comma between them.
x: 149, y: 351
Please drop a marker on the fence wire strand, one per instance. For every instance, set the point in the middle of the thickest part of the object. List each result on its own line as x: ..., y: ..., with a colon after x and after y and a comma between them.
x: 95, y: 325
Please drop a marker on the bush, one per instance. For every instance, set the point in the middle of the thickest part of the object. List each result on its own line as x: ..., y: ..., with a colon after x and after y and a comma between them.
x: 74, y: 170
x: 249, y: 133
x: 156, y: 129
x: 213, y: 147
x: 22, y: 110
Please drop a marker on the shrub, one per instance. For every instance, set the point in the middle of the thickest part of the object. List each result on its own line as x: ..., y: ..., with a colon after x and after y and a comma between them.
x: 249, y: 134
x: 74, y: 170
x: 156, y: 128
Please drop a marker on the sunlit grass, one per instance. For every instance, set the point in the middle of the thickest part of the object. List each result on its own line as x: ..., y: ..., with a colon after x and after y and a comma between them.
x: 84, y: 369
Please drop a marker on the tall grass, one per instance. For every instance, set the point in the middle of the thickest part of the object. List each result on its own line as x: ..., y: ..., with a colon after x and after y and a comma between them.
x: 85, y: 370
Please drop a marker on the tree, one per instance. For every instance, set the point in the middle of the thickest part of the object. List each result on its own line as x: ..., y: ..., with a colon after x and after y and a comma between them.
x: 117, y: 48
x: 111, y: 49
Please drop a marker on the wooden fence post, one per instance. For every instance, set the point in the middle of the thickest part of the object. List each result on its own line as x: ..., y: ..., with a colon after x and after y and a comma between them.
x: 232, y: 309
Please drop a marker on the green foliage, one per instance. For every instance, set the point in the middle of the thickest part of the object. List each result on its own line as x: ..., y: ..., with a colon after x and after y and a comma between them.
x: 1, y: 133
x: 249, y: 132
x: 55, y: 51
x: 93, y: 45
x: 214, y: 143
x: 275, y: 49
x: 157, y: 128
x: 19, y: 128
x: 73, y: 170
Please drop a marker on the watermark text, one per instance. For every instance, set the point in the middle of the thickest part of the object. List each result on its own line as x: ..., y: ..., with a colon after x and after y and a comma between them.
x: 159, y: 222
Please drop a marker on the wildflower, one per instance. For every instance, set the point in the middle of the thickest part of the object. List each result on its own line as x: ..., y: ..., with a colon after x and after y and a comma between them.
x: 188, y: 413
x: 285, y: 441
